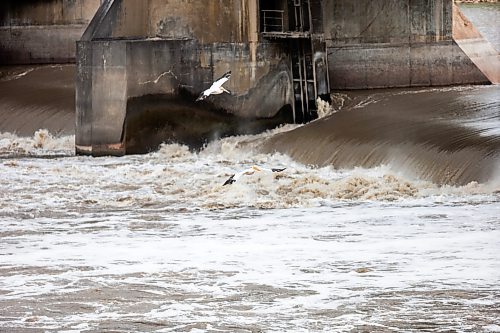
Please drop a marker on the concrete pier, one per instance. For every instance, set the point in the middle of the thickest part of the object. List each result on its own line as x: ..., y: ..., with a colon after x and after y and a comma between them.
x: 172, y: 55
x: 380, y: 44
x: 142, y: 63
x: 477, y: 48
x: 39, y: 32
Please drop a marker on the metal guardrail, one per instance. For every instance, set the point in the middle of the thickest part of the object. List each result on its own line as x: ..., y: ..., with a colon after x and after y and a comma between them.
x: 273, y: 20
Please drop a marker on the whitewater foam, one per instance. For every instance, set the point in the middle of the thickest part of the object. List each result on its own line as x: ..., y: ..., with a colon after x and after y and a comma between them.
x: 193, y: 179
x: 156, y: 242
x: 43, y: 143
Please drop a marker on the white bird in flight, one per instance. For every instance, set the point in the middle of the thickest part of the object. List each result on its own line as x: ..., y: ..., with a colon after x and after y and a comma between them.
x: 249, y: 171
x: 216, y: 87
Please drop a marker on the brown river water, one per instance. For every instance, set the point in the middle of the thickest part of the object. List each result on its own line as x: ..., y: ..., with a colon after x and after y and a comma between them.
x: 386, y: 219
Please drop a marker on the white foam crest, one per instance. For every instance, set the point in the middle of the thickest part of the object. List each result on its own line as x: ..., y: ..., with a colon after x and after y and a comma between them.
x: 243, y: 147
x: 230, y: 149
x: 366, y: 101
x: 194, y: 180
x: 42, y: 142
x: 301, y: 186
x: 339, y: 100
x: 15, y: 75
x: 436, y: 89
x: 174, y: 151
x: 492, y: 328
x: 324, y: 108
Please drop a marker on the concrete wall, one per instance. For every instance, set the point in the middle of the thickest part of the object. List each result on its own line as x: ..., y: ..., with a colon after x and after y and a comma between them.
x: 206, y: 21
x: 181, y: 50
x: 123, y: 19
x: 225, y: 33
x: 229, y: 20
x: 111, y: 73
x: 151, y: 58
x: 394, y: 43
x: 387, y: 21
x: 477, y: 48
x: 42, y: 31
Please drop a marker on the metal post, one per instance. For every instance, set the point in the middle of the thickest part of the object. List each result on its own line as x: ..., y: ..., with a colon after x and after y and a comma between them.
x: 301, y: 80
x: 312, y: 50
x: 305, y: 84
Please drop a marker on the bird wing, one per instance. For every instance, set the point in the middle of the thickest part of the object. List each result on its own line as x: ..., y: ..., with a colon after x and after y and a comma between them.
x: 233, y: 178
x: 203, y: 95
x: 216, y: 87
x: 229, y: 181
x: 273, y: 169
x: 219, y: 82
x: 250, y: 171
x: 213, y: 88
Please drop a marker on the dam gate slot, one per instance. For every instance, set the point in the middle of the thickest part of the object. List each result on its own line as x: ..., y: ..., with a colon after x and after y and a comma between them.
x: 303, y: 80
x: 290, y: 22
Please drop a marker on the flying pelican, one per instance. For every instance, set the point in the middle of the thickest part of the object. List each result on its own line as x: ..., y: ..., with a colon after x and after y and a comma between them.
x: 216, y: 87
x: 249, y: 171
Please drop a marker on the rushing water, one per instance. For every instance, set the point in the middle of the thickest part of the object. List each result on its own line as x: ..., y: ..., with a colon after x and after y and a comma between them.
x: 386, y: 219
x: 156, y: 243
x: 445, y: 135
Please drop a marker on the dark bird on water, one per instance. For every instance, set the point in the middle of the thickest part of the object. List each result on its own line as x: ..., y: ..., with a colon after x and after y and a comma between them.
x: 249, y: 171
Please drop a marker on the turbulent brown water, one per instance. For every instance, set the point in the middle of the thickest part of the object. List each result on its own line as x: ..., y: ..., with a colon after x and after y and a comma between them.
x: 349, y: 238
x: 386, y: 219
x: 446, y: 135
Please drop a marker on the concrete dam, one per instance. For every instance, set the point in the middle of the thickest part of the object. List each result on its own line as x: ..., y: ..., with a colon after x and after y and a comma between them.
x: 384, y: 219
x: 141, y: 64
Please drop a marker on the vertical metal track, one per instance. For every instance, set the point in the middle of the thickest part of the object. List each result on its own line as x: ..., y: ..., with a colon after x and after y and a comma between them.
x: 301, y: 77
x: 302, y: 47
x: 304, y: 83
x: 312, y: 49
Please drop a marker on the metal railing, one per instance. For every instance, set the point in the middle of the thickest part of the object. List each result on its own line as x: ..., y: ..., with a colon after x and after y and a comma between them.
x: 273, y: 20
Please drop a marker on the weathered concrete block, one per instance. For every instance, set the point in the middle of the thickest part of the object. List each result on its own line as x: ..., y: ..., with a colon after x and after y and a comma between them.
x: 347, y: 67
x: 148, y: 62
x: 112, y: 73
x: 375, y: 44
x: 369, y: 66
x: 109, y: 90
x: 42, y: 31
x: 467, y: 70
x: 420, y: 69
x: 388, y: 66
x: 101, y: 98
x: 84, y: 81
x: 39, y: 44
x: 417, y: 64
